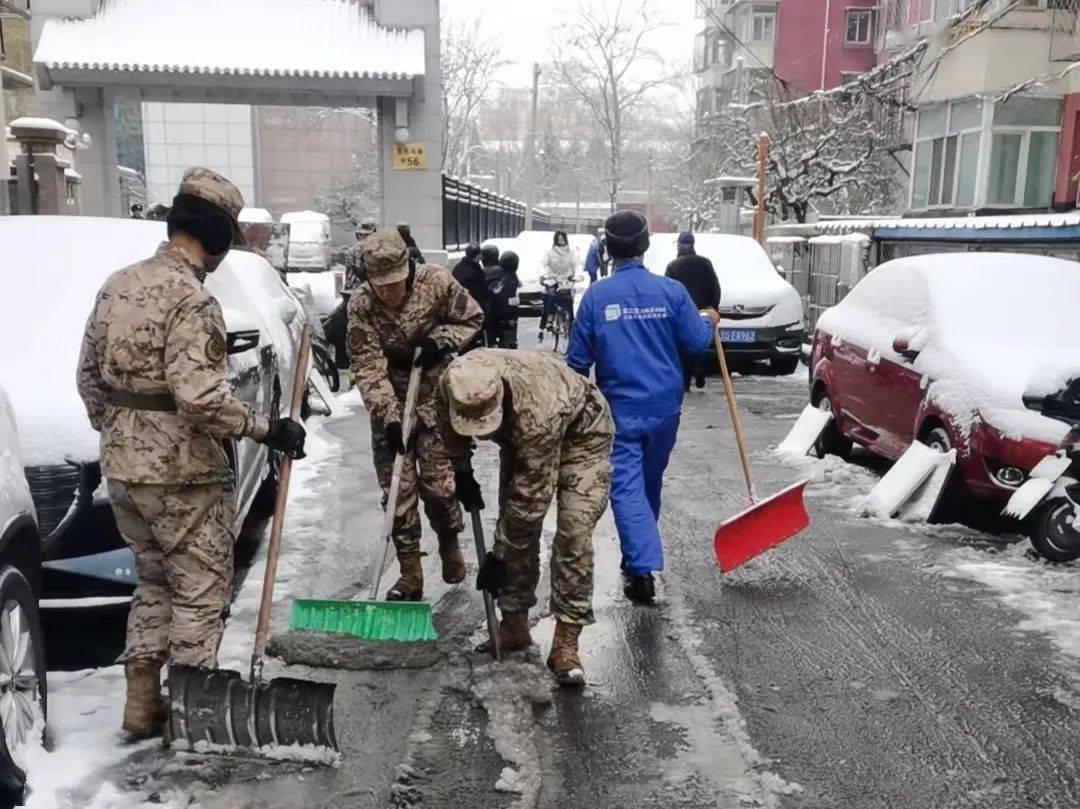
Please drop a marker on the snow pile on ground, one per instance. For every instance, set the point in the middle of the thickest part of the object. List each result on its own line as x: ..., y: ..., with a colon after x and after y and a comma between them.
x: 989, y: 327
x: 85, y: 710
x: 1046, y: 593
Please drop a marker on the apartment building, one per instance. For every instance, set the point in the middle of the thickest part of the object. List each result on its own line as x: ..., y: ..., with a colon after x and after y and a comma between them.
x: 749, y: 48
x: 997, y: 126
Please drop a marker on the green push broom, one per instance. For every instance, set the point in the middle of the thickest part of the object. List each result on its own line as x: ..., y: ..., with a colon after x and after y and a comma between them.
x: 374, y: 620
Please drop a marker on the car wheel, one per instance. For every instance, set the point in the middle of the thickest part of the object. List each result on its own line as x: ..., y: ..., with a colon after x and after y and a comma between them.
x: 832, y: 441
x: 938, y: 438
x: 1052, y: 531
x: 23, y: 686
x: 784, y: 366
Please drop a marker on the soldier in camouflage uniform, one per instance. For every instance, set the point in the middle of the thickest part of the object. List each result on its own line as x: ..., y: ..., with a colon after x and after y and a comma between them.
x: 354, y: 259
x: 401, y: 309
x: 554, y: 432
x: 152, y: 377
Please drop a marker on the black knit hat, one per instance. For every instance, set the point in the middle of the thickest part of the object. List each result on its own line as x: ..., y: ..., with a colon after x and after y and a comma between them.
x: 627, y: 234
x: 472, y: 250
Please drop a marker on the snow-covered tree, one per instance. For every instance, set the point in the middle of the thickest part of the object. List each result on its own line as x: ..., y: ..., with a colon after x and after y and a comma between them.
x: 470, y: 61
x: 356, y: 197
x: 834, y: 150
x: 603, y: 55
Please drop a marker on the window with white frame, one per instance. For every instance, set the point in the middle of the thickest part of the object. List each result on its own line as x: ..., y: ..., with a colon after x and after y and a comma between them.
x: 860, y: 26
x: 763, y: 26
x: 974, y: 153
x: 947, y: 143
x: 1023, y: 154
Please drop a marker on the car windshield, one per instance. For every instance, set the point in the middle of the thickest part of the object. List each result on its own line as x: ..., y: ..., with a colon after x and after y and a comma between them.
x: 308, y: 232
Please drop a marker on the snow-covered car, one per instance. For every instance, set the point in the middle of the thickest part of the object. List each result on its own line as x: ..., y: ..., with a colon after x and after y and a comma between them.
x: 957, y: 351
x: 531, y: 246
x: 54, y: 267
x: 309, y: 240
x: 761, y: 314
x: 23, y: 687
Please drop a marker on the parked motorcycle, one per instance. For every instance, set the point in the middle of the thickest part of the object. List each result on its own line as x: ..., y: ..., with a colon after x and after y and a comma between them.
x: 1049, y: 502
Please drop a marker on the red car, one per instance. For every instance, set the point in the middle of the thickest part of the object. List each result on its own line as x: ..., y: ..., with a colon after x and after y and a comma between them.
x: 957, y: 351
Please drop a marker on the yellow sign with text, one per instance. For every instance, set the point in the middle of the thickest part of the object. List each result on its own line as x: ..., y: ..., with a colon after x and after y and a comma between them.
x: 410, y: 157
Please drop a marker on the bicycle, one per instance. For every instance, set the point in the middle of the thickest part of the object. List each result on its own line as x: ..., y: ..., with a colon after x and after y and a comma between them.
x: 558, y: 325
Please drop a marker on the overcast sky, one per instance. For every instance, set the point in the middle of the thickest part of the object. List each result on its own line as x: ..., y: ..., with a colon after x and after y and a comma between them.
x: 527, y: 27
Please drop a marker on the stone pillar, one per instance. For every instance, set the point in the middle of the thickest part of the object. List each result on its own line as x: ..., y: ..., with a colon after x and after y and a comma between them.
x: 97, y: 165
x: 39, y: 171
x: 415, y: 196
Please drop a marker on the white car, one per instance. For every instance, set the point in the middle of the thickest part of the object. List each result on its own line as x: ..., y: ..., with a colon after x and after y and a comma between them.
x: 54, y: 267
x: 23, y: 688
x: 761, y: 314
x: 531, y: 246
x: 309, y: 240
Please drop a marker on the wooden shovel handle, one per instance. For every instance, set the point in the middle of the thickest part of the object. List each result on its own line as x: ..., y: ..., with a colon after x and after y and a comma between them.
x: 262, y: 626
x: 729, y: 391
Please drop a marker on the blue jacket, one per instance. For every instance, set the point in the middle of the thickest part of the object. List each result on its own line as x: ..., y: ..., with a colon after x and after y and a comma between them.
x: 592, y: 260
x: 632, y: 327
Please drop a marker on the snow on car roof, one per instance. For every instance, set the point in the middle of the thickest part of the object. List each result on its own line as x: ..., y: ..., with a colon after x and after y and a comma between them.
x: 746, y: 274
x: 53, y: 268
x: 305, y: 38
x: 990, y: 328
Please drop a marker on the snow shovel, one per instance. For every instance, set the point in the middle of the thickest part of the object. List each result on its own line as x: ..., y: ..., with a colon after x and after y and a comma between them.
x: 766, y: 523
x: 214, y: 710
x: 403, y: 621
x: 489, y: 601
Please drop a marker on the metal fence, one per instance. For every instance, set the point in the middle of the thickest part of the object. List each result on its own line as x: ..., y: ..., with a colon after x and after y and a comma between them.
x: 472, y: 213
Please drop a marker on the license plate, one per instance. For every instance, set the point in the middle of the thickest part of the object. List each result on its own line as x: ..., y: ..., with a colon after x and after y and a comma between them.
x: 738, y: 336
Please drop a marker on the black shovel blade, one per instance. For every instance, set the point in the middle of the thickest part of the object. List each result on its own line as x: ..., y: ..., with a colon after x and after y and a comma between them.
x: 219, y: 709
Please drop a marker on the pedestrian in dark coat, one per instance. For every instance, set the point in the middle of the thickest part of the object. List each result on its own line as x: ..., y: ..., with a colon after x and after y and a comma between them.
x: 501, y: 322
x: 405, y: 231
x: 489, y: 256
x: 470, y: 275
x: 697, y: 274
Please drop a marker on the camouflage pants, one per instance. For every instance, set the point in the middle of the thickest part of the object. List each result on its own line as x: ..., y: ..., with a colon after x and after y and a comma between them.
x: 581, y: 497
x: 182, y: 538
x: 428, y: 476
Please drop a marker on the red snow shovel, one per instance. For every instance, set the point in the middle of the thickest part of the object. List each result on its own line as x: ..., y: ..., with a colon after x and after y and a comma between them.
x: 766, y: 523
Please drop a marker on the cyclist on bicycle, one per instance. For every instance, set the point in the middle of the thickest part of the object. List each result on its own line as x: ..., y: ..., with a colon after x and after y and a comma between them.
x: 559, y: 268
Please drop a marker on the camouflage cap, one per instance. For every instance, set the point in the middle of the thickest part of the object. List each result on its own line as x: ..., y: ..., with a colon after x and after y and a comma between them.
x: 386, y: 258
x: 367, y: 227
x: 215, y: 189
x: 475, y: 389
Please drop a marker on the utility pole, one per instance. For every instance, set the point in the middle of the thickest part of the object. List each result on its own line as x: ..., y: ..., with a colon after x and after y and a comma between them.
x: 649, y: 189
x: 763, y: 163
x: 530, y: 151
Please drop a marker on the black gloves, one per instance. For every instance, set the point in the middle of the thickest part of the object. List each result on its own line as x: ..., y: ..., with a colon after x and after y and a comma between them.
x: 430, y: 354
x: 492, y: 576
x: 467, y: 491
x: 286, y: 436
x: 396, y: 439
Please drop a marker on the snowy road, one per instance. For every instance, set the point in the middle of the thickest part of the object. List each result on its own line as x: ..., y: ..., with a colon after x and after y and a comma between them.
x: 864, y: 664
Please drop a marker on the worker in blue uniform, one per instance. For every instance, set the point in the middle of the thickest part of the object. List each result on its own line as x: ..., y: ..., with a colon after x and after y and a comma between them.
x: 632, y: 327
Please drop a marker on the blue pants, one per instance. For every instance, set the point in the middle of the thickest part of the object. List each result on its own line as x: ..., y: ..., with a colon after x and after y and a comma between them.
x: 639, y: 457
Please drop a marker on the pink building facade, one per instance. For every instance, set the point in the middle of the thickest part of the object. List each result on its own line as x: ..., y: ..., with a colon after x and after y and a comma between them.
x: 821, y: 44
x: 745, y: 47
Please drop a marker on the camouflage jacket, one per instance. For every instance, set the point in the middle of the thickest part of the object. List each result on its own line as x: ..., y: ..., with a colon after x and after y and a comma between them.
x: 155, y: 330
x: 382, y: 341
x: 549, y: 405
x: 354, y: 267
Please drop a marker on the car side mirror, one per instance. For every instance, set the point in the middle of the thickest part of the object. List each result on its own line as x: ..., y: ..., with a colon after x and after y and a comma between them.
x: 901, y: 346
x: 243, y: 340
